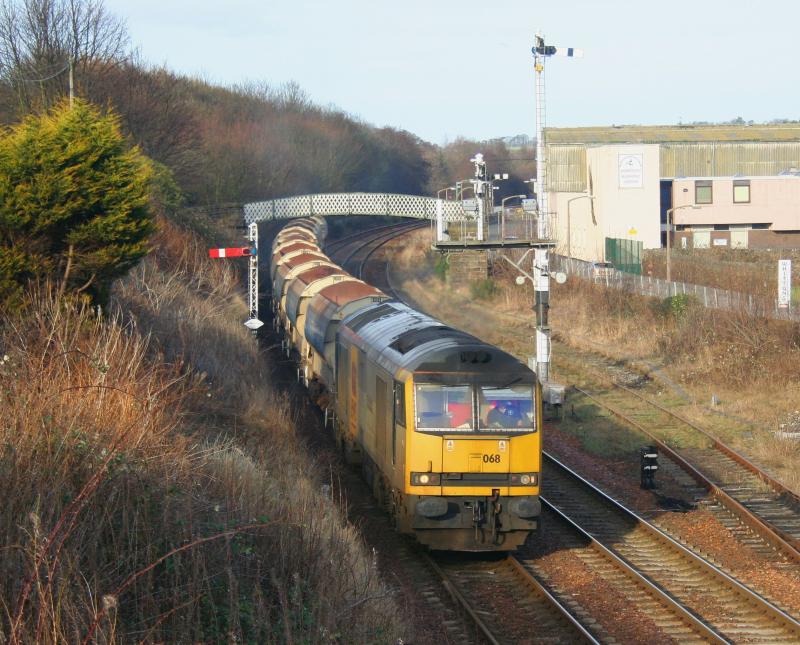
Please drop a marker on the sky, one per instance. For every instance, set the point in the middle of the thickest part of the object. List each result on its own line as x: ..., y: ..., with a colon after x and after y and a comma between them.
x: 442, y: 69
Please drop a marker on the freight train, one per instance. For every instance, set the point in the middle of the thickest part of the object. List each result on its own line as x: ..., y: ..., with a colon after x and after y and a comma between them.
x: 446, y: 428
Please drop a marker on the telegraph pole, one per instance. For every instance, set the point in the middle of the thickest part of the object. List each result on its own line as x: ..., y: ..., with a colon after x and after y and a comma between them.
x: 541, y: 261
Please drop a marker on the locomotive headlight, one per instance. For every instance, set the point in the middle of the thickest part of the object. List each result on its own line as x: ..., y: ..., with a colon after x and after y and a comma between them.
x: 524, y: 479
x: 426, y: 479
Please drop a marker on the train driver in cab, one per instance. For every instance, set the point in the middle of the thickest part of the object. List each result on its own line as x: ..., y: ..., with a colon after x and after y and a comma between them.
x: 504, y: 415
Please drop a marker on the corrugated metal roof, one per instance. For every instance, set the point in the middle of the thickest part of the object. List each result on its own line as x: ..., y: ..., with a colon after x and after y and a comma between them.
x: 288, y: 246
x: 306, y: 284
x: 674, y: 133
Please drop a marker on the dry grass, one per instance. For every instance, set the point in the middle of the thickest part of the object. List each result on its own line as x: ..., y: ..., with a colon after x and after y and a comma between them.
x: 155, y: 488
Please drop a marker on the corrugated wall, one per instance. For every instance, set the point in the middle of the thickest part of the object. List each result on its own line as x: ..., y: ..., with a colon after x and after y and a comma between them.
x: 721, y: 159
x: 567, y: 162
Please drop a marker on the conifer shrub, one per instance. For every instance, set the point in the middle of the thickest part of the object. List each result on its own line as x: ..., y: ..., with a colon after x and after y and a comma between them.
x: 74, y: 202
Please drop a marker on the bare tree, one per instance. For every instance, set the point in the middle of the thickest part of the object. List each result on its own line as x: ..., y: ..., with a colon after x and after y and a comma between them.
x: 40, y: 38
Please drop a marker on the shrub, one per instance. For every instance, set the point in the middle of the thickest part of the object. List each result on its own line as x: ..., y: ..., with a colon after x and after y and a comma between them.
x: 74, y: 201
x: 675, y: 307
x: 485, y: 289
x: 442, y: 266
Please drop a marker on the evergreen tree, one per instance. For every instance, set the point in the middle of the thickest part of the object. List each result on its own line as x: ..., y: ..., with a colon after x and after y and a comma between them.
x: 73, y: 202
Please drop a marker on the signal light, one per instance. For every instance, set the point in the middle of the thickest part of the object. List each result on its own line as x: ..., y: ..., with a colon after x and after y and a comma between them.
x: 236, y: 252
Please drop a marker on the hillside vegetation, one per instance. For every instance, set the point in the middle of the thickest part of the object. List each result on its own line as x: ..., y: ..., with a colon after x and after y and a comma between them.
x: 223, y: 144
x: 156, y: 487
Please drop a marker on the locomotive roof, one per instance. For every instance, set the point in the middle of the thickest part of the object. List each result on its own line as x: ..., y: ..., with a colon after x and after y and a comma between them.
x: 400, y: 338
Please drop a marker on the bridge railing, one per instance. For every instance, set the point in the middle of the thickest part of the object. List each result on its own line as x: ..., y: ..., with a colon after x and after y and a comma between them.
x: 392, y: 204
x: 452, y: 223
x: 499, y: 228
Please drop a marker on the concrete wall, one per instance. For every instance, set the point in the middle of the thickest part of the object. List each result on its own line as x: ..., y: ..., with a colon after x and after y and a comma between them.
x: 624, y: 181
x: 773, y: 200
x: 578, y: 233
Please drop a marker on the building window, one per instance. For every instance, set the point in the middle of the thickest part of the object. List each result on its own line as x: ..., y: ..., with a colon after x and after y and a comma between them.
x: 741, y: 191
x: 702, y: 192
x: 722, y: 227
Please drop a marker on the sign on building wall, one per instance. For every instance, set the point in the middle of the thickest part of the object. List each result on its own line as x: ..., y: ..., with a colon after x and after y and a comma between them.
x: 784, y: 283
x: 631, y: 174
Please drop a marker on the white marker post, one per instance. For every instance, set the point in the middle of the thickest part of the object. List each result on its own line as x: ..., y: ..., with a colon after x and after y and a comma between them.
x: 784, y: 284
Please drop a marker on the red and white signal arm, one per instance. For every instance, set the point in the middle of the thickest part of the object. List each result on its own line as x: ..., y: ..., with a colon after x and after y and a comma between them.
x: 236, y: 252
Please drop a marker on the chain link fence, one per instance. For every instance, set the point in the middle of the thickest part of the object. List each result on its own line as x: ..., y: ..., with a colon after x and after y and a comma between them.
x: 657, y: 288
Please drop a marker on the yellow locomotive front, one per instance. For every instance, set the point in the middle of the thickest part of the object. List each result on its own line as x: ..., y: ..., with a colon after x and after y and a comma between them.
x: 458, y: 455
x: 474, y: 458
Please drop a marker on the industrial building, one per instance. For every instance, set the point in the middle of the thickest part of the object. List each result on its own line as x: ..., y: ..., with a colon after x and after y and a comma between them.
x: 733, y: 185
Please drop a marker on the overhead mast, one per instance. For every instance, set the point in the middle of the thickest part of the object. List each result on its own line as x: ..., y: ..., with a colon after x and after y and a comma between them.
x: 541, y: 262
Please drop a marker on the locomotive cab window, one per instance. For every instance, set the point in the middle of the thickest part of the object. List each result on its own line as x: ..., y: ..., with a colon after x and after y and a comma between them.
x: 399, y: 403
x: 444, y: 407
x: 509, y: 408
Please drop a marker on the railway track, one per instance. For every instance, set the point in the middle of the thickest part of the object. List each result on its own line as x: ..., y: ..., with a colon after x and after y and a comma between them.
x: 502, y: 598
x: 701, y: 603
x: 524, y: 600
x: 747, y: 499
x: 729, y: 610
x: 732, y: 612
x: 353, y: 251
x: 506, y: 602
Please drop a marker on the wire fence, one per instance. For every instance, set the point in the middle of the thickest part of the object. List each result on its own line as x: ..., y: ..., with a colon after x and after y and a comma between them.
x: 657, y: 288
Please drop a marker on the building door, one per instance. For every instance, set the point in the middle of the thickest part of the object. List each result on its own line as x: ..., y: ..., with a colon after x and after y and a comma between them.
x: 701, y: 239
x: 665, y: 204
x: 739, y: 239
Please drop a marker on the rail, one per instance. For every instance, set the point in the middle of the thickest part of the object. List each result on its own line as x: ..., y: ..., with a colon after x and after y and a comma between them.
x: 768, y: 613
x: 779, y: 539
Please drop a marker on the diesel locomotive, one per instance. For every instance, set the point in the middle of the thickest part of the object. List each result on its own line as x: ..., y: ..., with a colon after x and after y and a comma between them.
x: 446, y: 428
